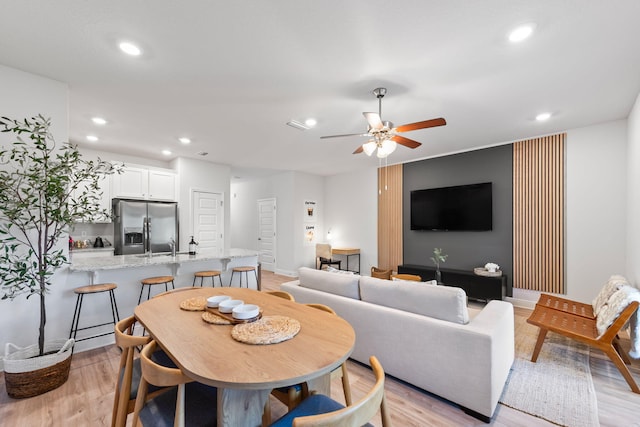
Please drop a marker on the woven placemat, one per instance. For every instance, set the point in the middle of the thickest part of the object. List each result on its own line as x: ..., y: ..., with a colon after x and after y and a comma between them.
x: 210, y: 317
x: 268, y: 330
x: 194, y: 304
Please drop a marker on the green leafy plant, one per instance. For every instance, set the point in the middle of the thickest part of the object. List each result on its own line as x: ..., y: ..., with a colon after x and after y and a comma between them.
x: 44, y: 189
x: 438, y: 257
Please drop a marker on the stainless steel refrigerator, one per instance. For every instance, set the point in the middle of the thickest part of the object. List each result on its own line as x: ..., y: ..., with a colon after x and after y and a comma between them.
x: 141, y: 226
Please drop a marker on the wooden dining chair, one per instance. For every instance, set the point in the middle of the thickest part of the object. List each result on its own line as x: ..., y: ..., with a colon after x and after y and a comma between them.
x: 281, y: 294
x: 293, y: 395
x: 129, y: 371
x: 190, y: 403
x: 319, y: 410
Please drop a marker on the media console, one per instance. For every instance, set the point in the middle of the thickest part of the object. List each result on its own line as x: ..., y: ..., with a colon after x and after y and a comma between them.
x: 476, y: 287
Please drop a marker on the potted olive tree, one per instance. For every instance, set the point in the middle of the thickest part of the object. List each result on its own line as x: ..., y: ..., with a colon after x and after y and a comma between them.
x: 44, y: 188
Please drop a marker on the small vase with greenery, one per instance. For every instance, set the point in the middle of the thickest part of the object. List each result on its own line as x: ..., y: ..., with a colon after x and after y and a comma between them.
x: 44, y: 189
x: 437, y: 258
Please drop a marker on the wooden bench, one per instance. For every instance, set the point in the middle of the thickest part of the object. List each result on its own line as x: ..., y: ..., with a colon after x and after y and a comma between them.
x: 572, y: 319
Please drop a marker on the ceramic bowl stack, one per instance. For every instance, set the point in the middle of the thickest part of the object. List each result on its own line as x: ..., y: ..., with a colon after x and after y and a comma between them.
x: 213, y: 302
x: 228, y: 305
x: 245, y: 311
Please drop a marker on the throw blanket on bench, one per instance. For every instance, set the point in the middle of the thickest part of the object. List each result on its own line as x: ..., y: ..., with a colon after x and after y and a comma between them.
x: 610, y: 311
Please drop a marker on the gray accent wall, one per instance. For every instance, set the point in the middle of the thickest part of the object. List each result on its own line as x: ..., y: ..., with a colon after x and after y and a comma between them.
x: 466, y: 249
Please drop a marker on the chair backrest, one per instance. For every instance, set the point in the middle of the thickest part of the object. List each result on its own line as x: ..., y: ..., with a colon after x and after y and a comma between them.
x: 413, y: 277
x: 323, y: 250
x: 380, y: 273
x: 160, y: 376
x: 357, y: 414
x: 281, y: 294
x: 322, y: 307
x: 122, y: 404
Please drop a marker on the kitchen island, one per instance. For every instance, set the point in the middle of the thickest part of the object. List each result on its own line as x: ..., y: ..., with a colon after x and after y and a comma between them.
x: 126, y: 271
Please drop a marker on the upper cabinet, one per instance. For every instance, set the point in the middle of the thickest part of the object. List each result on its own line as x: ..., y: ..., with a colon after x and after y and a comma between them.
x: 136, y: 182
x: 104, y: 203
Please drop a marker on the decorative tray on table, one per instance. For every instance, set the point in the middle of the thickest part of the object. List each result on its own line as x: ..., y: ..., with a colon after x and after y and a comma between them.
x: 214, y: 316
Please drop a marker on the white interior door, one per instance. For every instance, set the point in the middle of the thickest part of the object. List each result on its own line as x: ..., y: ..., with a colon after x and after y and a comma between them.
x: 267, y: 233
x: 208, y: 219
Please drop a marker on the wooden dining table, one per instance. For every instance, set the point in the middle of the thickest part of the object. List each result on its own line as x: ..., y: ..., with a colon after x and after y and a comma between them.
x: 244, y: 373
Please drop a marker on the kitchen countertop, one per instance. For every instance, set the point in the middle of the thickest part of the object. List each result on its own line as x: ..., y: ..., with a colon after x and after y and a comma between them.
x: 132, y: 261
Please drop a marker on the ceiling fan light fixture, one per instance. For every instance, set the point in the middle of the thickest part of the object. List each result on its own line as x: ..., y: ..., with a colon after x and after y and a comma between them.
x: 369, y: 148
x: 388, y: 146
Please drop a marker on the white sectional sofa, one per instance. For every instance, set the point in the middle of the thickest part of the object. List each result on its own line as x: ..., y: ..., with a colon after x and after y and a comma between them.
x: 422, y: 334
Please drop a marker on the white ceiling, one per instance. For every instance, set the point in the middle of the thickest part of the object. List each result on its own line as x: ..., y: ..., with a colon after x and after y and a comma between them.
x: 229, y: 75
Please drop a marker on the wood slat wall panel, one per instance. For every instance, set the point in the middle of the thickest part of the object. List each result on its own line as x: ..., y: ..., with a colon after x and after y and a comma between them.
x: 538, y: 214
x: 390, y: 217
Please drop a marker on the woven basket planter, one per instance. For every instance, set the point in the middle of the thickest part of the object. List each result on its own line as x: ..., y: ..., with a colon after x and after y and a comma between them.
x: 26, y: 374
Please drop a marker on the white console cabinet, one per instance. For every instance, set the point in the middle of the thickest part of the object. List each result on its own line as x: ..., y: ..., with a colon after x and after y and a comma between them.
x: 148, y: 184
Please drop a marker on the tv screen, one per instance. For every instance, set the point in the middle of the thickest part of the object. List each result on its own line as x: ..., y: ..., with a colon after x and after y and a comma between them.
x: 460, y: 208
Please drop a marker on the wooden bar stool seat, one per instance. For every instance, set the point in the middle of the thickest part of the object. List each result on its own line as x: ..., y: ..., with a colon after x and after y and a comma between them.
x: 88, y: 290
x: 245, y: 270
x: 208, y: 273
x: 152, y: 281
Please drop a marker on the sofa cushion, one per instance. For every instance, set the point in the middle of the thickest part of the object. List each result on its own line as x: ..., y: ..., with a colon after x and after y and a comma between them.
x: 440, y: 302
x: 345, y: 285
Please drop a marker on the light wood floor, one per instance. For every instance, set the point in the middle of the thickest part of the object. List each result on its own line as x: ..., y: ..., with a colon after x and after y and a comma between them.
x: 87, y: 398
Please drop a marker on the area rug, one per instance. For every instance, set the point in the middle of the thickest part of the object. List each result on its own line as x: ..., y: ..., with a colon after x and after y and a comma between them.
x: 558, y: 387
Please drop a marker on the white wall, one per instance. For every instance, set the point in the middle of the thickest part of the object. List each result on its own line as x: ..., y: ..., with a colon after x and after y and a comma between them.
x: 307, y: 188
x: 25, y: 95
x: 290, y: 189
x: 596, y: 207
x: 351, y: 212
x: 196, y: 174
x: 633, y: 195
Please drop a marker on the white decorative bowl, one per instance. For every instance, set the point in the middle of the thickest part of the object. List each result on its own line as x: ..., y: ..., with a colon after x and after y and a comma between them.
x: 213, y: 302
x: 246, y: 311
x: 227, y: 306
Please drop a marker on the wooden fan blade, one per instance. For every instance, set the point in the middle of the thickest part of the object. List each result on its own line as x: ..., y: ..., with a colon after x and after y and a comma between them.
x: 358, y: 150
x: 374, y: 120
x: 342, y: 136
x: 406, y: 141
x: 422, y: 125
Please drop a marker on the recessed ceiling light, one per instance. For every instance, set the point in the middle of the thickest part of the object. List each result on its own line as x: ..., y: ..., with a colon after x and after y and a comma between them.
x: 99, y: 121
x: 184, y: 140
x: 521, y: 33
x: 311, y: 122
x: 166, y: 152
x: 543, y: 116
x: 92, y: 138
x: 130, y: 48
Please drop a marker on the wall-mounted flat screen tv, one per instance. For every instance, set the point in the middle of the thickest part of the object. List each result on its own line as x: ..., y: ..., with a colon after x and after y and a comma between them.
x: 459, y: 208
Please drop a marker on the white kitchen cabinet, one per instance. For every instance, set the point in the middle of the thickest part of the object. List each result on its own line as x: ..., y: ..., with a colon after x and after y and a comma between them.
x: 147, y: 184
x: 162, y: 185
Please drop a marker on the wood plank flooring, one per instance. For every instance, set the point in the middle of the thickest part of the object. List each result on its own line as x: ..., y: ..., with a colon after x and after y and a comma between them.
x: 87, y: 398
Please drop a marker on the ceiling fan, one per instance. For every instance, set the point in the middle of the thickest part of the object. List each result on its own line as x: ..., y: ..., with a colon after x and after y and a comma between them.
x: 383, y: 135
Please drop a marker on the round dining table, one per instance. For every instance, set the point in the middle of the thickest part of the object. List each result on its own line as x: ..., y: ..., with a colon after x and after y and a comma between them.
x: 244, y: 373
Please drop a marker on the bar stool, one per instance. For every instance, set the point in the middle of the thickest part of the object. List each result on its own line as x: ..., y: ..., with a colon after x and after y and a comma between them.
x: 245, y: 270
x: 159, y: 280
x: 208, y: 273
x: 93, y: 289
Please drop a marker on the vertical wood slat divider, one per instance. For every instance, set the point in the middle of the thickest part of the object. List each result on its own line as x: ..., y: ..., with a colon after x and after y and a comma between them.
x: 390, y: 217
x: 538, y: 214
